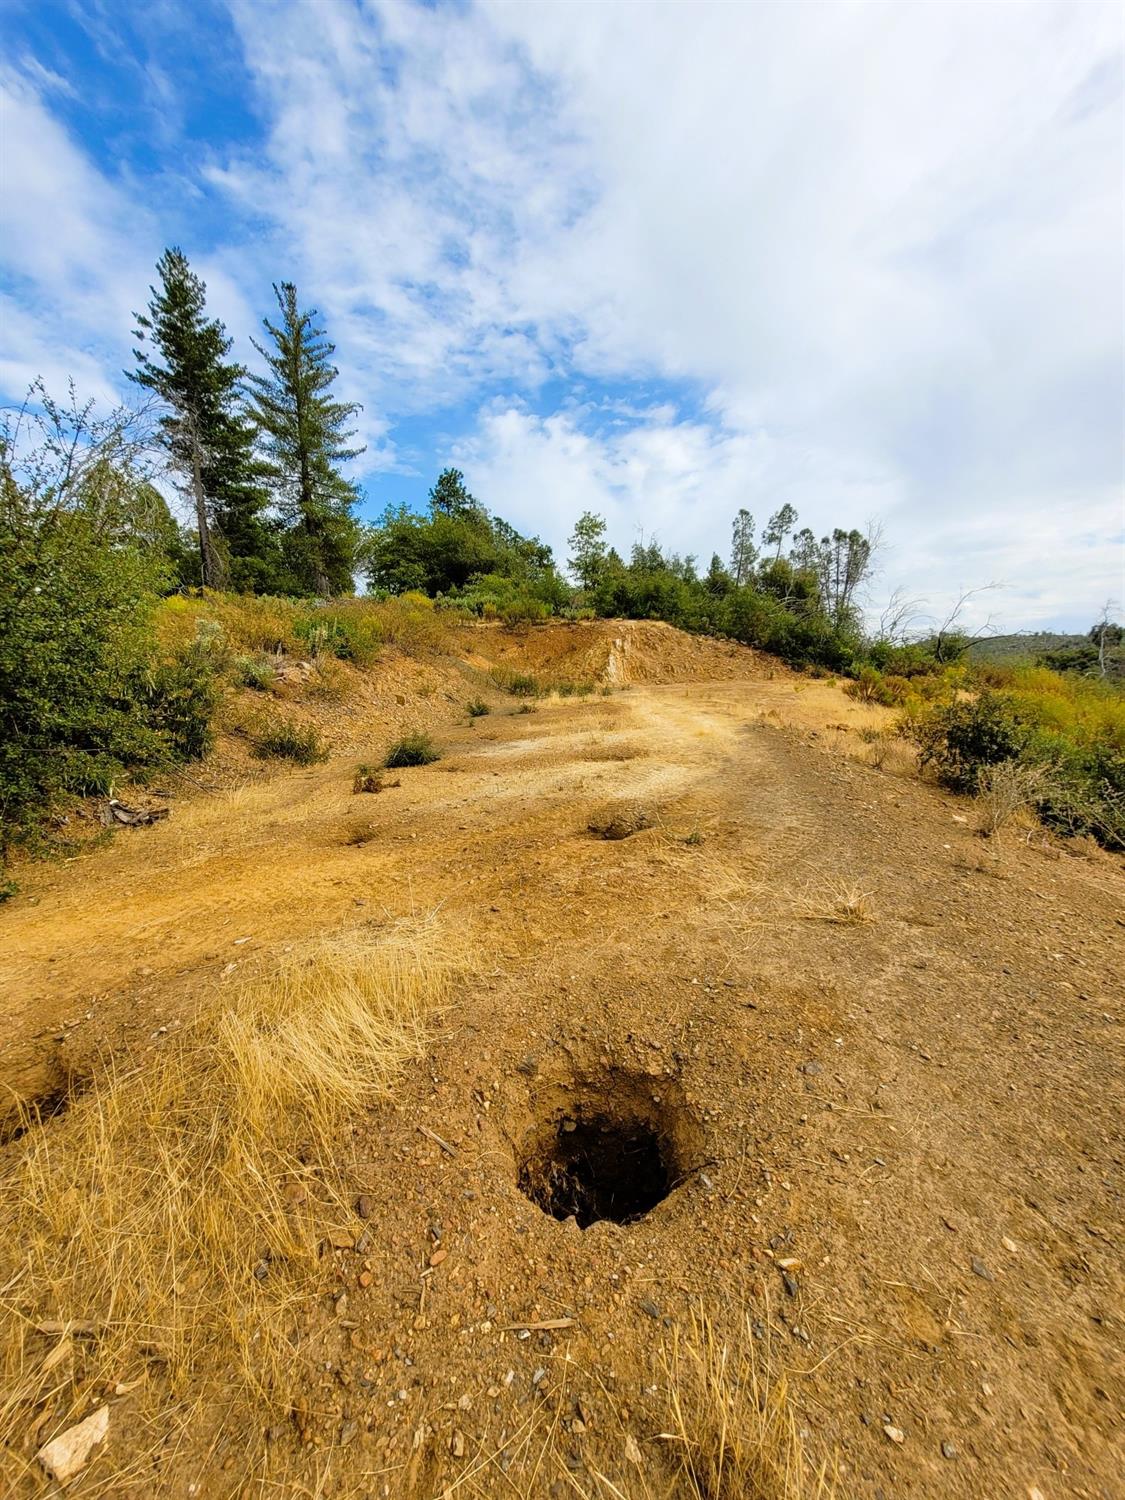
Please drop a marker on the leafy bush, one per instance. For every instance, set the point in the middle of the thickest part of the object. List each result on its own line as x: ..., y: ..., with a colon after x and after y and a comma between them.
x: 285, y: 740
x: 870, y: 686
x: 86, y: 696
x: 256, y: 672
x: 519, y: 684
x: 958, y: 740
x: 416, y: 749
x: 477, y: 708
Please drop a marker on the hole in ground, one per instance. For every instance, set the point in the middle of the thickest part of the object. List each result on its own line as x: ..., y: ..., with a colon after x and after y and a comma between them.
x: 599, y: 1168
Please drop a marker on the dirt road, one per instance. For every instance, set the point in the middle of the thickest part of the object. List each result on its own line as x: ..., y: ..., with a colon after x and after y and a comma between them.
x: 917, y: 1111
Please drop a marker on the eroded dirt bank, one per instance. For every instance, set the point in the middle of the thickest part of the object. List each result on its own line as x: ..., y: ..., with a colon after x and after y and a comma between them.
x: 919, y: 1113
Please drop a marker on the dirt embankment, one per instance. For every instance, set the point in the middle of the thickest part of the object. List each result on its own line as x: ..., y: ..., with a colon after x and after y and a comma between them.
x: 801, y: 1054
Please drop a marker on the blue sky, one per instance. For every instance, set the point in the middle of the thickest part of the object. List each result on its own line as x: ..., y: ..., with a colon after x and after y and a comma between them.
x: 659, y: 261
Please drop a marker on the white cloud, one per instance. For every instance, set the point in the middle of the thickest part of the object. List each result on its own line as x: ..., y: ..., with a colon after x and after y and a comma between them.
x: 881, y: 245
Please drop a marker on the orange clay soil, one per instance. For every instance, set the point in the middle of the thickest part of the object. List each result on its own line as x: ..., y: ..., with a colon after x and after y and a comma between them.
x: 918, y: 1112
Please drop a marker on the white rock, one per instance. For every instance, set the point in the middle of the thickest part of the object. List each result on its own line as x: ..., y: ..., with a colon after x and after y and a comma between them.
x: 65, y: 1456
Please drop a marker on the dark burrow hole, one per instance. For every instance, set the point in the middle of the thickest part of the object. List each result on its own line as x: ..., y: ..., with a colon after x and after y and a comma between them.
x: 599, y: 1168
x: 29, y: 1114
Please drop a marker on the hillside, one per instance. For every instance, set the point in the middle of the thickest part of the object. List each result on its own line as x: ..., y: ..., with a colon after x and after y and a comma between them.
x: 652, y: 1096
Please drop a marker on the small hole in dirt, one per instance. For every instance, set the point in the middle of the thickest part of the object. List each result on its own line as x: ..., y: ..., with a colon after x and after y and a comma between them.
x: 32, y: 1113
x: 596, y: 1168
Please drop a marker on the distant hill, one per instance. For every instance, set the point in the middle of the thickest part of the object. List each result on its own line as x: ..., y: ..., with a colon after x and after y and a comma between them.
x: 1025, y: 645
x: 1034, y: 645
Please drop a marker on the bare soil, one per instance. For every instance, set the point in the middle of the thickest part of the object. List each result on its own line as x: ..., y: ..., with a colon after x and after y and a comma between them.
x: 919, y: 1113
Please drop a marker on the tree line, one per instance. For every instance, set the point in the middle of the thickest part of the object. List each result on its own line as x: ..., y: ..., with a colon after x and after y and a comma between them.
x: 258, y: 457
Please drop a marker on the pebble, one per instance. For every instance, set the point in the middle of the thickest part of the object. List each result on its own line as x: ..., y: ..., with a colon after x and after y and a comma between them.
x: 895, y: 1434
x: 980, y: 1269
x: 948, y: 1450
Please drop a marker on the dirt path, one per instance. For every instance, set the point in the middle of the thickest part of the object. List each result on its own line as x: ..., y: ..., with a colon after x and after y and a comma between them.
x: 921, y: 1111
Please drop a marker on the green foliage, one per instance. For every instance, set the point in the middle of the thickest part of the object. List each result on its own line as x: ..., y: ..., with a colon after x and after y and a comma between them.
x: 519, y: 684
x: 304, y: 434
x: 458, y: 545
x: 180, y: 696
x: 587, y: 543
x: 285, y: 740
x: 416, y: 749
x: 871, y: 686
x: 959, y: 739
x: 86, y: 698
x: 477, y: 708
x: 183, y: 359
x: 1072, y: 728
x: 256, y: 672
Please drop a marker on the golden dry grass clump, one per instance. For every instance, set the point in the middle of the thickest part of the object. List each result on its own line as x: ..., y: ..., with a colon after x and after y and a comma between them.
x: 160, y: 1229
x: 841, y: 902
x: 734, y: 1429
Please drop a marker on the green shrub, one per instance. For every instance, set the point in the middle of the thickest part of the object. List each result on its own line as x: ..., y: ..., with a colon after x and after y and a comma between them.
x: 519, y: 684
x: 256, y: 672
x: 324, y: 635
x: 477, y: 708
x: 870, y: 686
x: 285, y: 740
x: 86, y: 697
x: 959, y: 739
x: 416, y: 749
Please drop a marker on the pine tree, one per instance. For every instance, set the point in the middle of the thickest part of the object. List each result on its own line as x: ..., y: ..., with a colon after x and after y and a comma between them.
x: 743, y: 552
x: 304, y: 438
x: 780, y: 524
x: 450, y: 497
x: 204, y: 427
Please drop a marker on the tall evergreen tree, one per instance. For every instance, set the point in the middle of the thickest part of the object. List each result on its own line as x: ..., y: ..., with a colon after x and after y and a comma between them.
x: 743, y: 552
x: 780, y: 524
x: 205, y: 429
x: 305, y: 439
x: 449, y: 496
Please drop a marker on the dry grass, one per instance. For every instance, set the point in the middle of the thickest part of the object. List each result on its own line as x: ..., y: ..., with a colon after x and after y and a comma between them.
x: 730, y: 1432
x: 1007, y: 790
x: 162, y: 1228
x: 733, y: 1429
x: 838, y: 901
x: 611, y: 750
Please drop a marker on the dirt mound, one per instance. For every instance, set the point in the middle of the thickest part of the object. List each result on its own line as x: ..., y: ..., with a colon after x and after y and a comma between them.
x: 613, y: 653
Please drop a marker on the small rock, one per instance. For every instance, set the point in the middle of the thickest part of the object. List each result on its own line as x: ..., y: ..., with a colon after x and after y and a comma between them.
x: 948, y: 1450
x: 649, y: 1307
x: 365, y: 1205
x: 527, y: 1066
x: 348, y: 1432
x: 789, y: 1284
x: 895, y: 1434
x: 67, y: 1455
x: 632, y: 1451
x: 438, y: 1256
x: 1010, y: 1246
x: 980, y: 1269
x: 457, y: 1444
x: 811, y: 1069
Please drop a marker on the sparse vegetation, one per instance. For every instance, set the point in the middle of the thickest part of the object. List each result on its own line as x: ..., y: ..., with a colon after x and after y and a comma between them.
x: 734, y: 1431
x: 477, y: 708
x: 256, y: 672
x: 285, y: 740
x: 416, y: 749
x: 519, y: 684
x: 367, y: 778
x: 177, y: 1210
x: 841, y: 902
